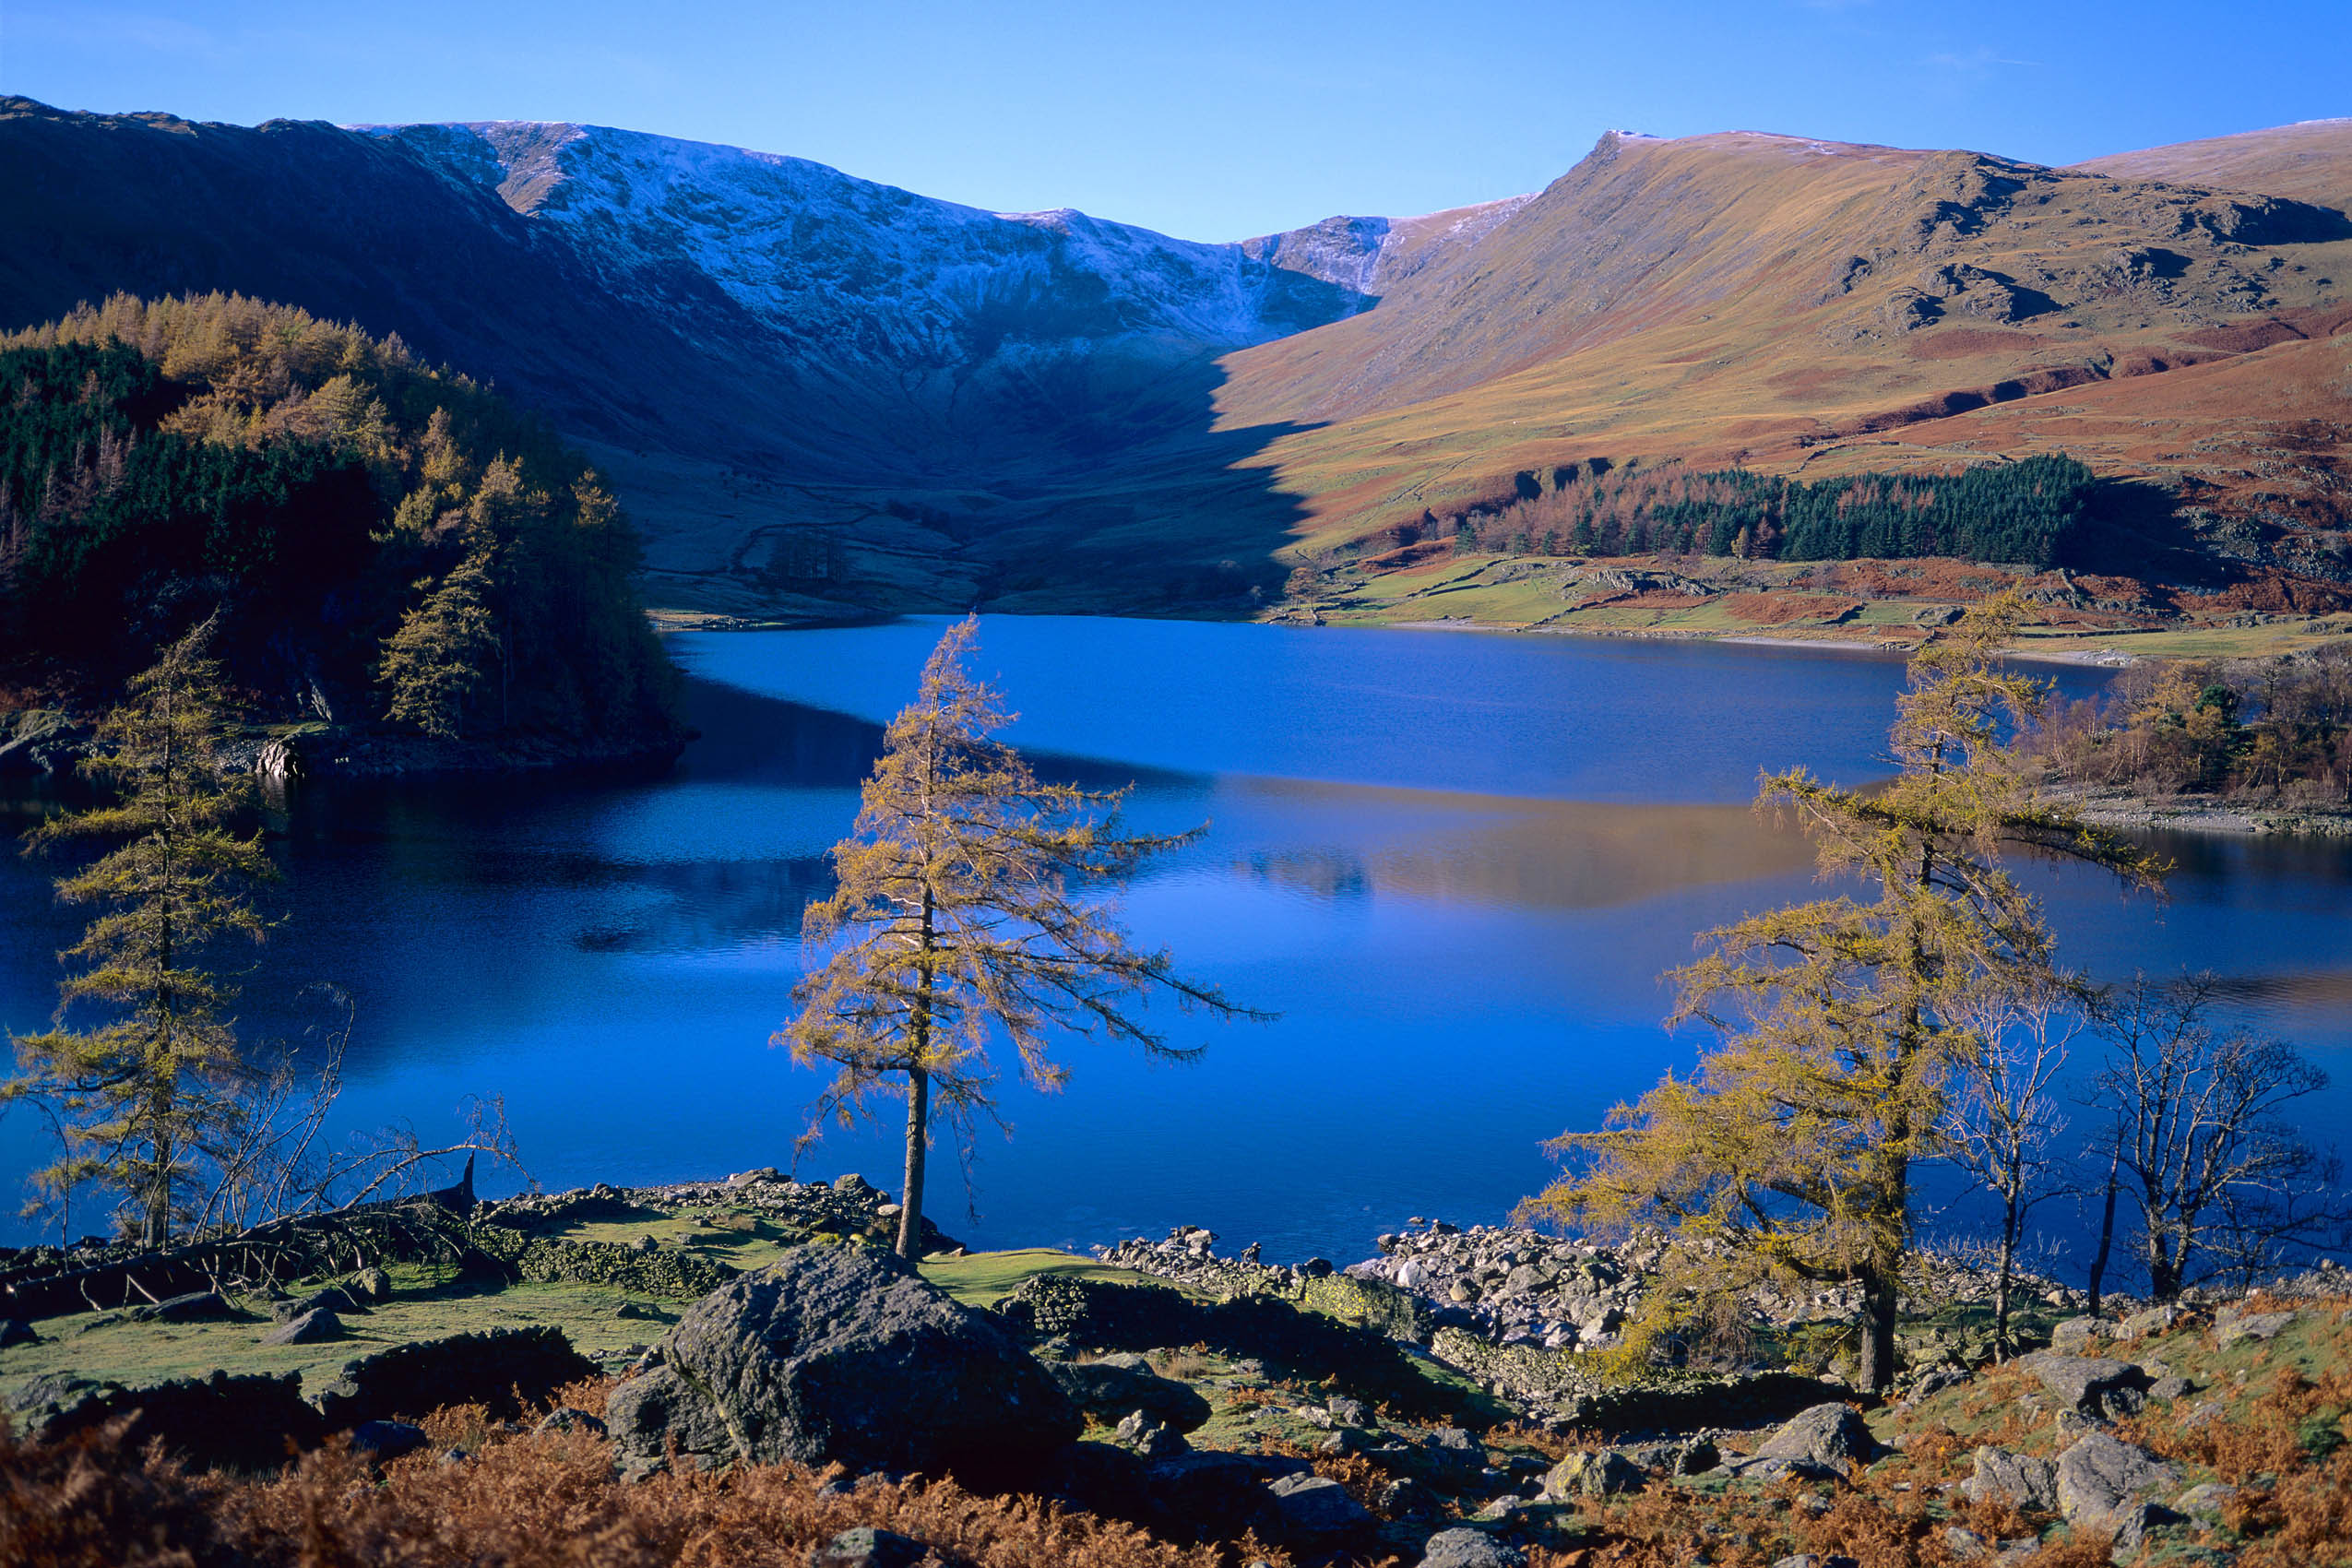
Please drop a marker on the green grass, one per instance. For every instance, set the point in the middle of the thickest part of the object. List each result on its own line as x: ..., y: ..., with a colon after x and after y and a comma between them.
x: 982, y: 1279
x: 426, y: 1305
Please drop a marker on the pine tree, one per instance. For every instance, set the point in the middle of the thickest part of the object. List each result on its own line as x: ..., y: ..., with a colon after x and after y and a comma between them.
x: 134, y: 1096
x: 433, y: 664
x: 1839, y: 1023
x: 955, y: 924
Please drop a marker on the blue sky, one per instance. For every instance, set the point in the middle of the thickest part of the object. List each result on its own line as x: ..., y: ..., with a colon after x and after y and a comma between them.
x: 1213, y: 120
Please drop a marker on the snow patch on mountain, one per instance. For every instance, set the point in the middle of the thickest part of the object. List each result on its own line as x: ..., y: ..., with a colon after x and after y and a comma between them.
x: 832, y: 263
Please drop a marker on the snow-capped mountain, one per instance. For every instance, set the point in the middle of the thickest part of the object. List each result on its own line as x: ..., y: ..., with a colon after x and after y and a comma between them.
x: 836, y: 266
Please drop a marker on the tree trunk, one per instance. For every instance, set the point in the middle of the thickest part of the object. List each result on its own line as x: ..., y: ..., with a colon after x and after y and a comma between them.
x: 910, y: 1201
x: 2010, y: 1225
x: 1877, y: 1349
x: 2107, y: 1236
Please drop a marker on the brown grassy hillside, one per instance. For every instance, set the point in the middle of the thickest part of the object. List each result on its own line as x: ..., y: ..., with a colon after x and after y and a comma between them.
x: 1755, y: 298
x: 2310, y: 161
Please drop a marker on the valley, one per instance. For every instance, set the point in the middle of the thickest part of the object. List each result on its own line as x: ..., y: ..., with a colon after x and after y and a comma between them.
x: 824, y: 398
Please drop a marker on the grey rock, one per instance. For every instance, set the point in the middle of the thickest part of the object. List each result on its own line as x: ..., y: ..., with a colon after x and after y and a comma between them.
x: 2095, y: 1386
x: 334, y: 1299
x: 1965, y: 1544
x: 1827, y: 1434
x: 2253, y: 1326
x: 1113, y: 1386
x: 842, y: 1353
x: 371, y: 1283
x: 866, y: 1547
x: 387, y: 1440
x: 1808, y: 1560
x: 2172, y: 1387
x: 1316, y: 1512
x: 2141, y: 1325
x: 2072, y: 1335
x: 2134, y: 1525
x: 2100, y: 1479
x: 311, y: 1329
x: 197, y: 1306
x: 2206, y: 1501
x: 1773, y: 1467
x: 2020, y: 1478
x: 1348, y: 1412
x: 1148, y: 1437
x: 1462, y: 1548
x: 566, y: 1418
x: 16, y: 1331
x: 1601, y: 1474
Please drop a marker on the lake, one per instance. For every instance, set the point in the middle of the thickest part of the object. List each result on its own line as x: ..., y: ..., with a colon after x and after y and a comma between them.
x: 1456, y: 864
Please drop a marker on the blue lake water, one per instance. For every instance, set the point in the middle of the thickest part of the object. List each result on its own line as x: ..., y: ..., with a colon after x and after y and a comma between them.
x: 1456, y: 864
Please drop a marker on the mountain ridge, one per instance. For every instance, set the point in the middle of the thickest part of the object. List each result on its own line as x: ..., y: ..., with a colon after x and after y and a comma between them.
x: 822, y: 394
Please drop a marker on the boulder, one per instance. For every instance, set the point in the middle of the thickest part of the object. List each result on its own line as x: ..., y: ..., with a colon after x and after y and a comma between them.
x: 1602, y: 1474
x: 334, y: 1299
x: 244, y: 1423
x: 371, y: 1283
x: 2101, y: 1479
x: 2137, y: 1522
x: 2253, y: 1326
x: 568, y: 1418
x: 386, y: 1441
x: 1829, y: 1434
x: 1450, y: 1458
x: 1314, y: 1511
x: 1148, y: 1438
x: 2141, y: 1325
x: 311, y: 1329
x: 419, y: 1378
x: 1461, y: 1547
x: 1115, y: 1385
x: 2172, y: 1387
x: 2095, y: 1386
x: 2071, y: 1336
x: 16, y: 1331
x: 1217, y: 1495
x: 2019, y: 1478
x: 843, y: 1354
x: 2205, y: 1502
x: 197, y: 1306
x: 866, y: 1547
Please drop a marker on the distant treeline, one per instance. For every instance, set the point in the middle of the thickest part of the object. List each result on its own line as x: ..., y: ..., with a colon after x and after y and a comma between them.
x: 377, y: 538
x: 2019, y: 511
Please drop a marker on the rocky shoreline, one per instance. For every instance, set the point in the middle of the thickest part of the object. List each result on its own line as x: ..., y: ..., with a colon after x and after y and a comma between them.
x: 1451, y: 1401
x: 2200, y: 813
x: 50, y: 742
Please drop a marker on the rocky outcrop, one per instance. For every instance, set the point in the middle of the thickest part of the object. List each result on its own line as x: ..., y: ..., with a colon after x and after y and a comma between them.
x: 841, y: 1353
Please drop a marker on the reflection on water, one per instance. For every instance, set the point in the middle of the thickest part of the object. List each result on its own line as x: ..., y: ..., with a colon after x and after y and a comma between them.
x: 1449, y: 847
x: 1455, y: 864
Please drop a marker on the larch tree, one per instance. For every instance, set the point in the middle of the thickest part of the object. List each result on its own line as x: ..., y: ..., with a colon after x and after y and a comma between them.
x: 968, y: 911
x: 432, y: 663
x: 1840, y: 1024
x: 134, y: 1096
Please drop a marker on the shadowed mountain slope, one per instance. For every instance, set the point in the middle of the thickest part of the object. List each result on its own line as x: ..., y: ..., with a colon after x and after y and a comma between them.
x: 821, y: 395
